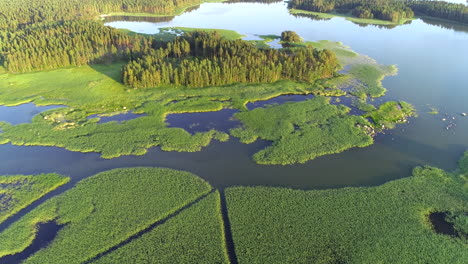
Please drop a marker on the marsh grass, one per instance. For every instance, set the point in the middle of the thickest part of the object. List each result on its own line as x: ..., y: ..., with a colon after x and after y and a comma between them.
x: 302, y: 131
x: 384, y: 224
x: 102, y: 211
x: 196, y: 235
x: 19, y: 191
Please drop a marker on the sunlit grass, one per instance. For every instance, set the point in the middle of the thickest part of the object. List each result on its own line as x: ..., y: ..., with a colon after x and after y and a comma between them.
x: 104, y: 210
x: 302, y: 131
x: 384, y: 224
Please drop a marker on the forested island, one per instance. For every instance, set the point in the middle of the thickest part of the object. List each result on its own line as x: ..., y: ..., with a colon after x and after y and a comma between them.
x: 206, y: 59
x: 389, y: 10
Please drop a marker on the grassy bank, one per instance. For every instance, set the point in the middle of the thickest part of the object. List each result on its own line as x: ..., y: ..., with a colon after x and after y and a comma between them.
x: 103, y: 211
x: 384, y: 224
x: 19, y: 191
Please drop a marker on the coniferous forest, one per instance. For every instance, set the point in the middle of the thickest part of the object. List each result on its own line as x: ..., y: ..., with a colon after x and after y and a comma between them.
x: 389, y: 10
x: 201, y: 59
x: 24, y: 12
x: 65, y: 44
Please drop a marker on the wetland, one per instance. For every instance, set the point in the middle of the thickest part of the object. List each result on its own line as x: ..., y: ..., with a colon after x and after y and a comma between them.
x: 346, y: 150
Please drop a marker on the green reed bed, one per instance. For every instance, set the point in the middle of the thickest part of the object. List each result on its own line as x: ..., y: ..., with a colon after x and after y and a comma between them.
x: 103, y: 211
x: 19, y: 191
x: 384, y: 224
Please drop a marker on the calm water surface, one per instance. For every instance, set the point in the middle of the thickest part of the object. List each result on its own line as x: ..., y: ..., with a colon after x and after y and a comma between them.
x: 433, y: 64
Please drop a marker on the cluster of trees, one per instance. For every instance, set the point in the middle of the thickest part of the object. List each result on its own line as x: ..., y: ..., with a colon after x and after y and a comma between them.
x: 14, y: 13
x: 201, y: 59
x: 290, y: 36
x: 390, y: 10
x: 441, y: 9
x: 395, y: 12
x: 69, y: 43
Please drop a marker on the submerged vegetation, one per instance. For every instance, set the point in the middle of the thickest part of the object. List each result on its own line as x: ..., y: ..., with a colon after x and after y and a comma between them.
x: 19, y: 191
x: 351, y: 225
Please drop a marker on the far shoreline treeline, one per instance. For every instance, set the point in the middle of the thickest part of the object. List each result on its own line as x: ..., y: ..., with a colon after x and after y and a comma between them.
x: 388, y: 10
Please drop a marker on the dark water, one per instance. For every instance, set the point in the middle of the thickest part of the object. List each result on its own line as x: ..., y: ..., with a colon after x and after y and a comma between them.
x: 441, y: 225
x: 22, y: 113
x: 201, y: 122
x: 432, y: 62
x: 117, y: 118
x: 46, y: 232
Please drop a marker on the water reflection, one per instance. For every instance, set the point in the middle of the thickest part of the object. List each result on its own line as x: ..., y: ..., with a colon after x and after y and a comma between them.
x: 23, y: 113
x: 204, y: 121
x: 117, y: 118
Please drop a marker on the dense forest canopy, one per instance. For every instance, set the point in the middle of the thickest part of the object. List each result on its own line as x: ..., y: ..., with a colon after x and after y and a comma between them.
x: 390, y: 10
x: 63, y: 44
x: 14, y: 13
x: 201, y: 59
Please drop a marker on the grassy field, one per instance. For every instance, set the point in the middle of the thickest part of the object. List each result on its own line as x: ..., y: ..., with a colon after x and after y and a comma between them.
x: 302, y: 131
x: 384, y: 224
x: 19, y: 191
x: 193, y: 236
x: 349, y: 17
x: 103, y: 211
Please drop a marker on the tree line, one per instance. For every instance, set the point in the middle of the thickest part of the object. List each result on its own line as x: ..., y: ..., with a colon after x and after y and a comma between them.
x: 17, y: 13
x: 70, y: 43
x: 202, y: 59
x: 441, y: 9
x: 390, y: 10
